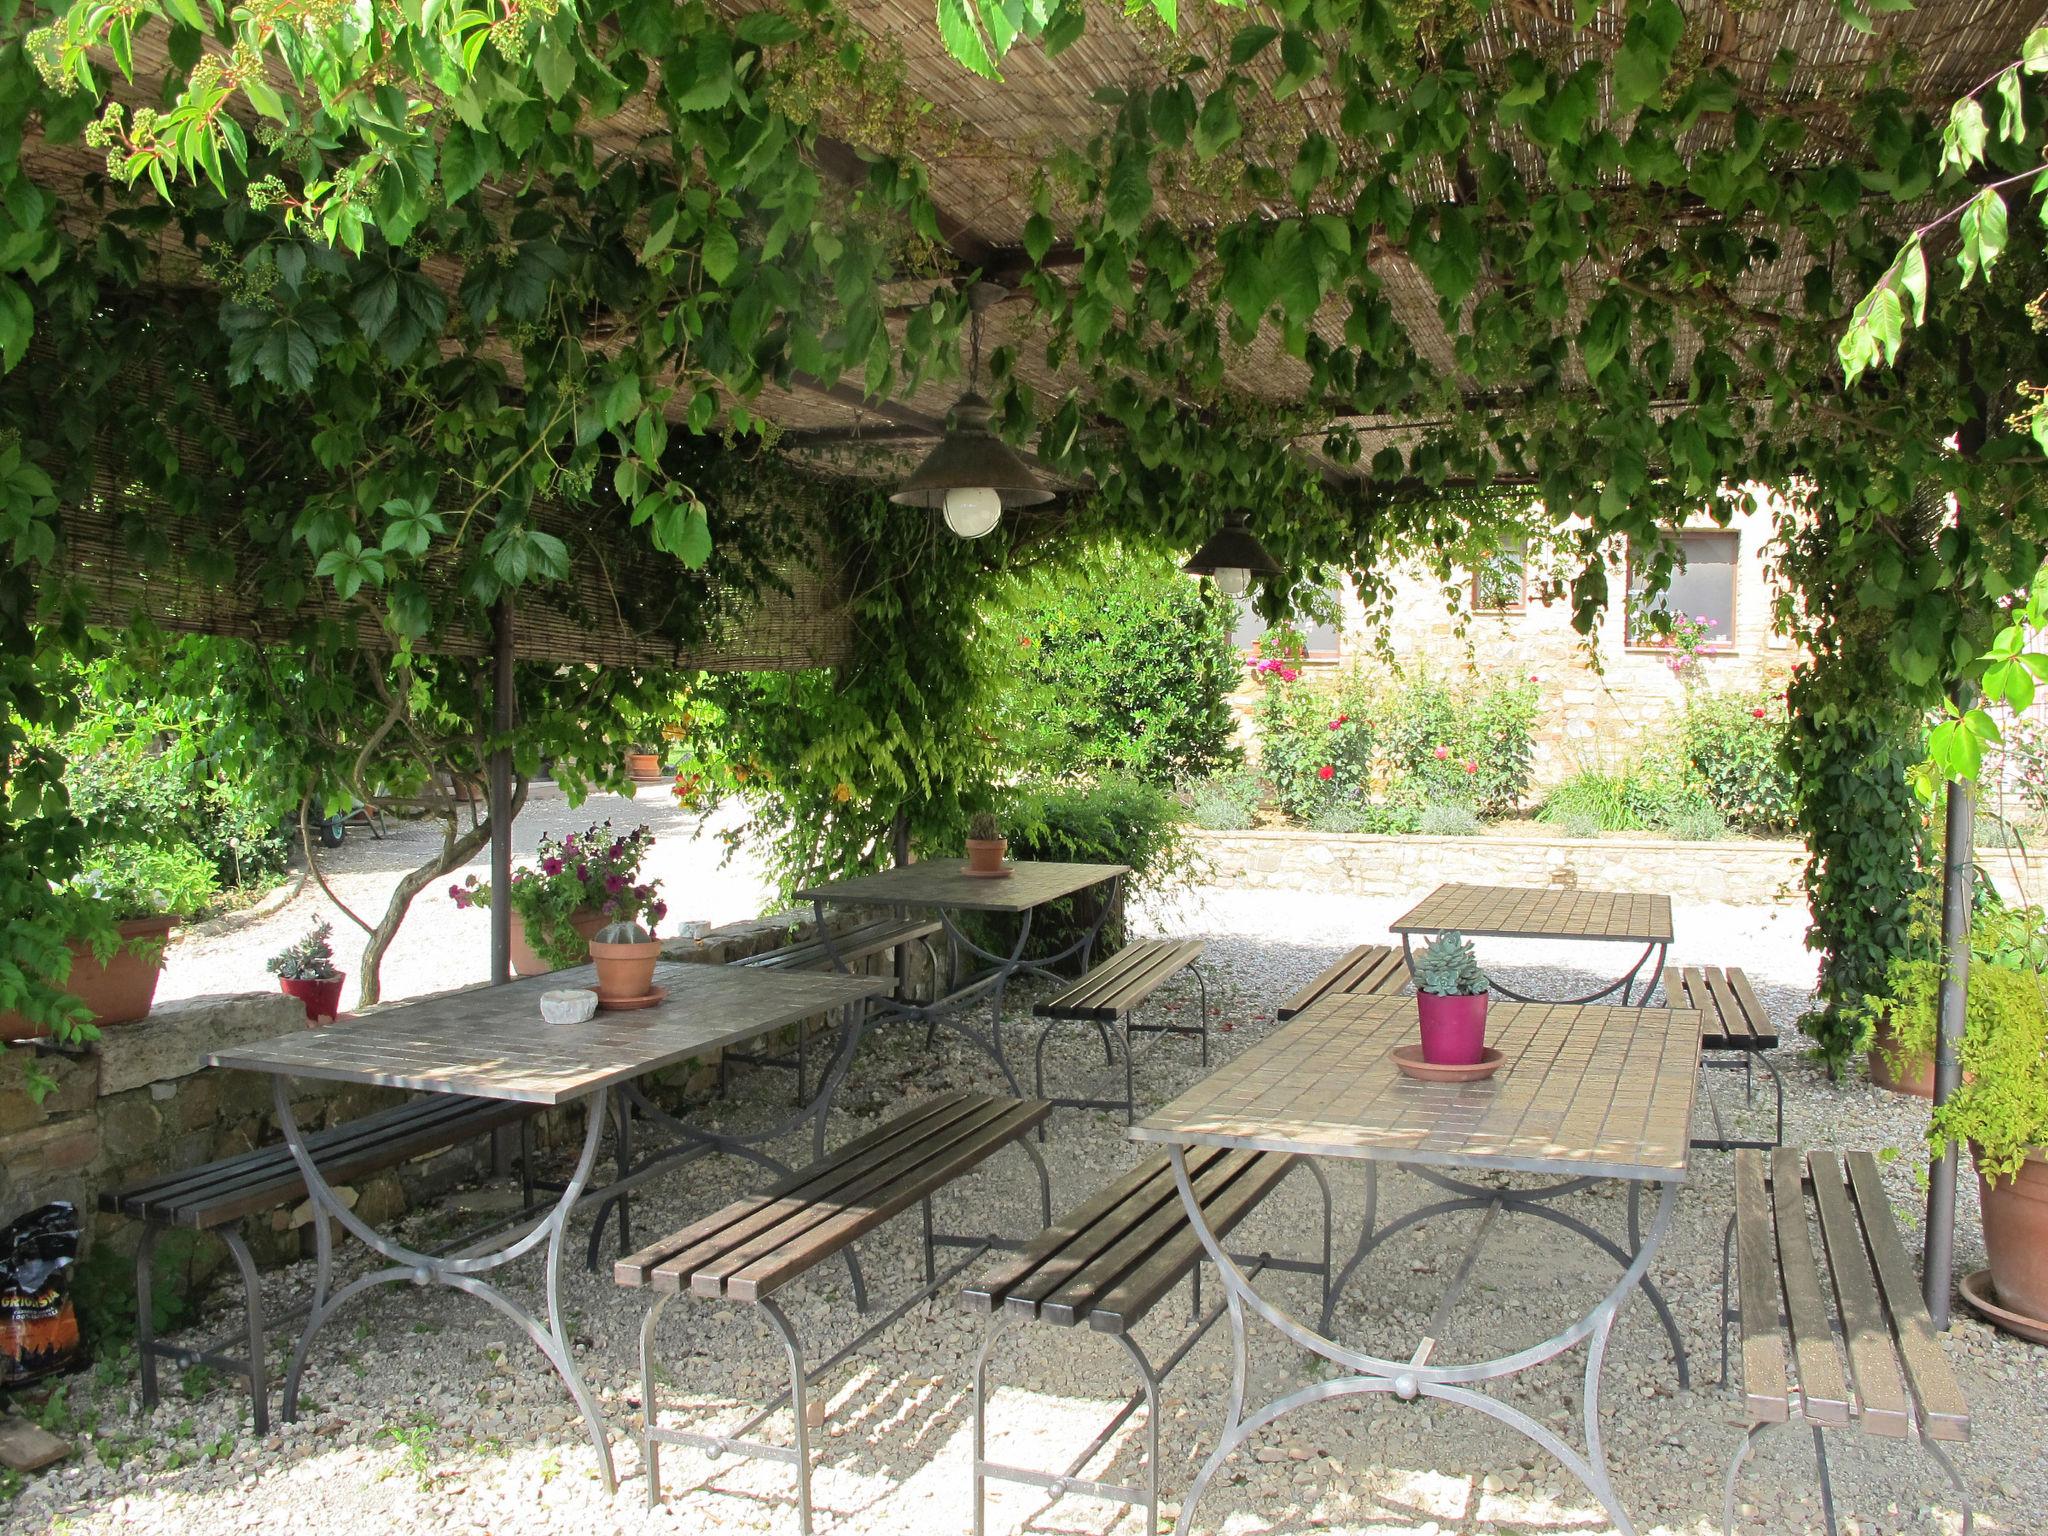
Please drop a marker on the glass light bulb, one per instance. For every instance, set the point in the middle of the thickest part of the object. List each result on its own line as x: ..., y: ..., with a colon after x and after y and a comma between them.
x: 1232, y: 580
x: 972, y: 511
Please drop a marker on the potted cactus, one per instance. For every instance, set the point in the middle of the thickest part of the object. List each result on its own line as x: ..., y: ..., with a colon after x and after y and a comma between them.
x: 306, y: 970
x: 1450, y: 1001
x: 624, y: 954
x: 985, y: 845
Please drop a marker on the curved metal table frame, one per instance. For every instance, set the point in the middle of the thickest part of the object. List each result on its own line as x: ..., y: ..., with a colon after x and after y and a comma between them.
x: 1416, y: 1376
x: 1624, y: 984
x: 461, y: 1271
x: 950, y: 1010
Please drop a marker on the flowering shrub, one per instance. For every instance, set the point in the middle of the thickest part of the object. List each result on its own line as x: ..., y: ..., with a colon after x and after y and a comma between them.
x: 1733, y: 749
x: 1413, y: 744
x: 592, y: 870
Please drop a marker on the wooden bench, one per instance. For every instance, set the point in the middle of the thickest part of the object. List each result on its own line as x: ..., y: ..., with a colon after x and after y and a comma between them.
x: 1107, y: 1264
x: 1376, y: 970
x: 1735, y: 1032
x: 754, y: 1247
x: 1897, y: 1385
x: 1108, y: 996
x: 852, y: 947
x: 218, y: 1195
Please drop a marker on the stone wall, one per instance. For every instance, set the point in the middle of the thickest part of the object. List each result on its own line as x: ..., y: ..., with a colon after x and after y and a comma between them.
x: 1736, y: 871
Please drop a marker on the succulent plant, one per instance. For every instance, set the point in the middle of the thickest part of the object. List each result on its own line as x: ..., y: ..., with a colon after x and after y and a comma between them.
x: 1447, y: 967
x: 983, y: 827
x: 623, y: 933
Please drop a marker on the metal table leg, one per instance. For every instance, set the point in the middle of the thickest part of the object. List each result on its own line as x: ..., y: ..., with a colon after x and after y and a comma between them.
x: 1416, y: 1376
x: 458, y: 1271
x: 1625, y: 984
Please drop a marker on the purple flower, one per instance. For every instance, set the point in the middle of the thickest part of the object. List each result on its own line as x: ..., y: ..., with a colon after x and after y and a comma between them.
x: 551, y: 866
x: 660, y: 910
x: 582, y: 871
x: 614, y: 884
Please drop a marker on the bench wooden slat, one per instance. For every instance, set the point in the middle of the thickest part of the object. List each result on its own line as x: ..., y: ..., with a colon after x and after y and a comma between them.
x: 1944, y: 1415
x: 1873, y: 1363
x: 852, y: 946
x: 1131, y: 1244
x: 1823, y: 1387
x: 232, y: 1188
x: 1737, y: 1027
x: 1761, y: 1027
x: 1125, y: 1305
x: 1123, y: 981
x: 1373, y: 969
x: 771, y: 1272
x: 708, y: 1266
x: 1764, y: 1385
x: 750, y: 1214
x: 1078, y: 1235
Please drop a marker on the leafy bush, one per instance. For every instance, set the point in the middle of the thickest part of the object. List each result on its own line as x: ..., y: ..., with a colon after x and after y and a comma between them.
x: 1649, y: 795
x: 1696, y: 824
x: 1120, y: 664
x: 1315, y: 749
x: 1346, y: 819
x: 1733, y: 749
x: 1576, y: 821
x: 1448, y: 818
x: 144, y: 880
x: 1228, y: 802
x: 2001, y: 1106
x: 135, y: 793
x: 1119, y: 820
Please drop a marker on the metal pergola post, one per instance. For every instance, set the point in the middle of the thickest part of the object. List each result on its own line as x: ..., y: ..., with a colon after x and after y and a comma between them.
x: 503, y: 713
x: 1938, y: 1263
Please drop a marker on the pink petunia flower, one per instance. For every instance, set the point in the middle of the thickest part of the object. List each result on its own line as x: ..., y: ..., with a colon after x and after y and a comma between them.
x: 1470, y: 766
x: 1442, y: 753
x: 551, y: 866
x: 614, y: 884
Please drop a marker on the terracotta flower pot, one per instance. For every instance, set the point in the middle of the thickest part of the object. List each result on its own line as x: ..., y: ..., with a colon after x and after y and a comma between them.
x: 320, y: 994
x: 2016, y: 1236
x: 1915, y: 1074
x: 624, y: 971
x: 1453, y: 1028
x: 985, y: 855
x: 644, y: 767
x: 526, y: 962
x: 118, y: 992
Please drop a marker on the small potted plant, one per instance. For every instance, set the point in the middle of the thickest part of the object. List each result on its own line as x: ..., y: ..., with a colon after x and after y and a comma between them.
x: 624, y: 954
x: 581, y: 882
x: 643, y: 765
x: 986, y: 844
x: 1450, y: 1001
x: 305, y: 970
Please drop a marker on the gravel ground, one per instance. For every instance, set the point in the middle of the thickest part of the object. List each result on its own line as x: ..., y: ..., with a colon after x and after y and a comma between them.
x: 430, y: 1414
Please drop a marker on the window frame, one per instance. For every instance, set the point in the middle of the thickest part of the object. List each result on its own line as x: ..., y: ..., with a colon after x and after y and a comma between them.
x: 1726, y: 643
x: 1519, y: 605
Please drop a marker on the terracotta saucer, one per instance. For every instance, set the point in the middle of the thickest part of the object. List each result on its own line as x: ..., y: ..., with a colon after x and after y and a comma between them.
x: 1977, y: 1291
x: 1409, y: 1059
x: 987, y: 874
x: 628, y: 1004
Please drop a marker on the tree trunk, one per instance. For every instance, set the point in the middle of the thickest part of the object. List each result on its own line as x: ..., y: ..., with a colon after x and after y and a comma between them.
x: 457, y: 848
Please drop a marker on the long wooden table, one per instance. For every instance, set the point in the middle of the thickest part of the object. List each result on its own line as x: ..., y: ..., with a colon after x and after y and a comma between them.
x: 491, y: 1043
x: 1586, y: 1094
x: 1549, y: 912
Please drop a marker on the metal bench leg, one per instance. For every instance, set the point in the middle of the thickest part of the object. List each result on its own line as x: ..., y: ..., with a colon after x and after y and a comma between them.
x: 252, y: 1291
x: 1778, y: 1090
x: 1728, y: 1313
x: 1827, y: 1490
x: 1955, y: 1478
x: 145, y: 1312
x: 1130, y: 1078
x: 799, y: 1389
x: 650, y: 1448
x: 1202, y: 986
x: 1151, y: 1382
x: 1742, y: 1451
x: 996, y: 1325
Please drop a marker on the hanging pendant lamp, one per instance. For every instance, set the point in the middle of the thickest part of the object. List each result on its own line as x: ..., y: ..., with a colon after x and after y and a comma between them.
x: 1231, y: 557
x: 973, y: 476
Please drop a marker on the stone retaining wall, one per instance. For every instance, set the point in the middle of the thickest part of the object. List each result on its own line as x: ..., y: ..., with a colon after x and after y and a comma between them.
x: 1735, y: 870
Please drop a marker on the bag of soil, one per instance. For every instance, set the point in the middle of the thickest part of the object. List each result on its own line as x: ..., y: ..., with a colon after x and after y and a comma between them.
x: 38, y: 1329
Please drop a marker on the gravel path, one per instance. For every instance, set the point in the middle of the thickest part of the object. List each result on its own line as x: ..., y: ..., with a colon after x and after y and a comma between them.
x: 431, y: 1415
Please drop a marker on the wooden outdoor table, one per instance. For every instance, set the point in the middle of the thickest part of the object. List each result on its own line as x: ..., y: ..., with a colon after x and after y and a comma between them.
x: 941, y: 886
x: 1548, y: 912
x: 1586, y: 1093
x: 490, y: 1042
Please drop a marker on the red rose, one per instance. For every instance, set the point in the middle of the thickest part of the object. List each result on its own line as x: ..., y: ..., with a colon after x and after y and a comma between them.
x: 1326, y: 772
x: 1470, y: 766
x: 1442, y: 753
x: 1758, y: 713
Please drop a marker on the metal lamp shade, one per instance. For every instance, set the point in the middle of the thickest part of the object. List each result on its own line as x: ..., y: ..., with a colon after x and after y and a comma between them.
x: 1232, y: 547
x: 971, y: 456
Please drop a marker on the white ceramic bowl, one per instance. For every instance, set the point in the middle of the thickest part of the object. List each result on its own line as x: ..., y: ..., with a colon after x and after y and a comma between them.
x: 568, y: 1005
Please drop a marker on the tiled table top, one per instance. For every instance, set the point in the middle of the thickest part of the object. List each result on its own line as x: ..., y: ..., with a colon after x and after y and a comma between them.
x: 1585, y: 1089
x: 491, y: 1042
x: 1546, y: 912
x: 943, y: 883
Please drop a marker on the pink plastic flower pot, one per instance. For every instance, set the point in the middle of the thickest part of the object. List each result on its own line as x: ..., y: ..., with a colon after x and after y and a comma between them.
x: 1453, y: 1028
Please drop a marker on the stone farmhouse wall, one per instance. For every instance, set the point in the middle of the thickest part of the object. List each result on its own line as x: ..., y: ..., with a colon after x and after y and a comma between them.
x: 1602, y: 700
